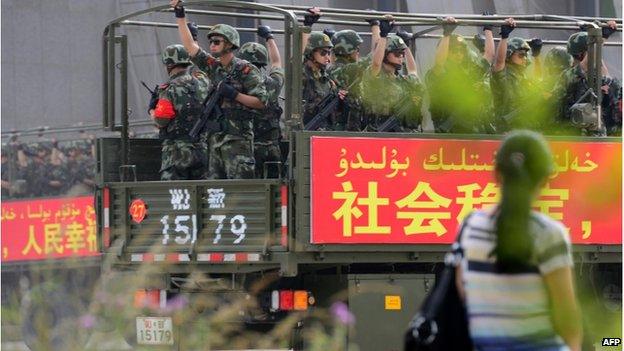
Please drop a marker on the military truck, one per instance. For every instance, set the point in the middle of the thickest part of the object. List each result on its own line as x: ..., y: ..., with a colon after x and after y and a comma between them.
x: 360, y: 218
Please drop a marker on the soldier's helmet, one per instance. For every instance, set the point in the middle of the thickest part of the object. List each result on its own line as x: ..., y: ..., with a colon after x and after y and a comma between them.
x: 317, y: 40
x: 395, y: 43
x: 457, y: 43
x: 228, y: 32
x: 254, y: 53
x: 516, y: 44
x: 346, y: 42
x: 577, y: 43
x: 175, y: 55
x: 558, y: 58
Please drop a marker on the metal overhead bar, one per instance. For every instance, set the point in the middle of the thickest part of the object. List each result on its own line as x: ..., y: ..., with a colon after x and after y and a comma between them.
x: 545, y: 41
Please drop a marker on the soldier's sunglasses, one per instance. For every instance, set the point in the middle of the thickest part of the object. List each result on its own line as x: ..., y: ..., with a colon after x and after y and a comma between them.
x: 216, y: 41
x: 324, y: 52
x: 398, y: 53
x: 522, y: 54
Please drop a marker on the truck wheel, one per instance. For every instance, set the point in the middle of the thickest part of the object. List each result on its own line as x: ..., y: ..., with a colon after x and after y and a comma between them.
x: 51, y: 319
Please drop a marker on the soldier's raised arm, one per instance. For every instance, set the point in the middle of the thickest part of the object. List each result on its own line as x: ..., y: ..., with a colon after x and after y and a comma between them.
x: 501, y: 51
x: 185, y: 34
x: 450, y: 23
x: 374, y: 23
x: 275, y: 58
x: 489, y: 47
x: 313, y: 15
x: 385, y: 26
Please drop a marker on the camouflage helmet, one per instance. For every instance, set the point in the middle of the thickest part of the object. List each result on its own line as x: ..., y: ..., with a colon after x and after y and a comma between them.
x: 346, y: 42
x: 228, y: 32
x: 317, y: 40
x: 457, y: 43
x: 395, y: 43
x: 516, y: 44
x: 577, y: 43
x: 558, y: 58
x: 175, y: 55
x: 254, y: 53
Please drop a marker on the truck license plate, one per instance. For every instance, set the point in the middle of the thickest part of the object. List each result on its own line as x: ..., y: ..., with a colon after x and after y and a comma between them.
x: 154, y: 330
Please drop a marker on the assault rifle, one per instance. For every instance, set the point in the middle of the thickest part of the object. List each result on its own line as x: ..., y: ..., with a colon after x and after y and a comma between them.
x: 208, y: 119
x: 326, y: 106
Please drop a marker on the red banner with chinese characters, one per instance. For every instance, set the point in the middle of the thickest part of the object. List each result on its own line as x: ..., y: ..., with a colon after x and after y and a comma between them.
x: 417, y: 191
x: 39, y: 229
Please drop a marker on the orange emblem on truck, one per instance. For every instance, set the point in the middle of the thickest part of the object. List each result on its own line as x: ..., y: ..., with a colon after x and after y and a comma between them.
x: 138, y: 210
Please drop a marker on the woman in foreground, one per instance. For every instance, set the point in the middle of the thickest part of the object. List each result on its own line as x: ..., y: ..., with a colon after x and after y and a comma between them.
x: 516, y: 273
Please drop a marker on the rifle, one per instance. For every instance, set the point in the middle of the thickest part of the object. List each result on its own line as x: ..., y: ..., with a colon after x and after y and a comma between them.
x: 326, y: 106
x: 148, y: 89
x: 393, y: 123
x: 211, y: 111
x: 390, y: 125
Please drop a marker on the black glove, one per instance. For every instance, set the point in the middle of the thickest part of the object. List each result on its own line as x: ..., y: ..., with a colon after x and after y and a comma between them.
x: 405, y: 35
x: 228, y: 91
x: 385, y: 26
x: 448, y: 28
x: 310, y: 18
x: 153, y: 100
x: 265, y: 32
x: 179, y: 11
x: 329, y: 32
x: 536, y: 46
x: 607, y: 31
x: 479, y: 42
x: 193, y: 29
x: 487, y: 26
x: 506, y: 30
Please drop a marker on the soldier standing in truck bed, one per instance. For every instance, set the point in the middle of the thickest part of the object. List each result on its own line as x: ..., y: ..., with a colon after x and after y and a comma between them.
x: 267, y: 133
x: 244, y: 95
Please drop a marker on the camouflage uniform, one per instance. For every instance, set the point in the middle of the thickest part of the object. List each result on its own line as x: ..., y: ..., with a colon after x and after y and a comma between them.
x: 513, y: 93
x: 392, y: 95
x: 267, y: 132
x: 231, y: 149
x: 459, y: 91
x: 346, y: 73
x: 317, y: 84
x: 179, y: 106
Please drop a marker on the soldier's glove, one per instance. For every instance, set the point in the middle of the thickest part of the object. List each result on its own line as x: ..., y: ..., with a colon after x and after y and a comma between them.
x: 194, y: 29
x: 153, y: 100
x: 373, y: 22
x: 405, y: 35
x: 506, y: 30
x: 310, y: 18
x: 607, y: 31
x: 448, y: 28
x: 228, y: 91
x: 536, y: 46
x: 479, y: 42
x: 265, y: 32
x: 179, y: 11
x: 487, y: 26
x: 385, y: 26
x: 329, y: 32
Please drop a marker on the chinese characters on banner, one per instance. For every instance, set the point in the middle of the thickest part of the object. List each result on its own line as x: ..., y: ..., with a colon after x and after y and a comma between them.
x: 412, y: 191
x: 41, y: 229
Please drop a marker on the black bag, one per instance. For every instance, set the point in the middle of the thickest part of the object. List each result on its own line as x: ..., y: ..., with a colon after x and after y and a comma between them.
x: 442, y: 323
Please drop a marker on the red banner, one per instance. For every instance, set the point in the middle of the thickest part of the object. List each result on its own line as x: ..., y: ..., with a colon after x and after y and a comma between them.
x: 39, y: 229
x: 417, y: 191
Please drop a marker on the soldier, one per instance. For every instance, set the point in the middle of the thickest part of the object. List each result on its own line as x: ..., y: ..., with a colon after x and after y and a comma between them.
x: 387, y: 94
x: 81, y: 166
x: 346, y: 71
x: 244, y: 97
x: 175, y: 113
x: 517, y: 99
x: 4, y: 170
x: 573, y: 85
x: 267, y: 132
x: 458, y: 84
x: 556, y: 61
x: 44, y: 175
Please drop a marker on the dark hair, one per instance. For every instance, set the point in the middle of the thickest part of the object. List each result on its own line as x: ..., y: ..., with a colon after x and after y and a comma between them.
x: 523, y: 161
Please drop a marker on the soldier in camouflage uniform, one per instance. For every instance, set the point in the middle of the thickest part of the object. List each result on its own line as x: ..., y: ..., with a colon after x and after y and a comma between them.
x: 346, y: 71
x: 517, y: 99
x: 573, y: 85
x: 267, y: 132
x: 4, y: 170
x: 244, y: 97
x: 459, y: 84
x: 386, y: 92
x: 176, y: 111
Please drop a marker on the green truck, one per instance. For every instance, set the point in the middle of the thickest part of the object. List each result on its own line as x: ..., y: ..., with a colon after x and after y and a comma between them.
x: 369, y: 233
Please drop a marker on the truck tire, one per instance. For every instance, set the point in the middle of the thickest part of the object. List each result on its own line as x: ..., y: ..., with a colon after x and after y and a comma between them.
x: 51, y: 319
